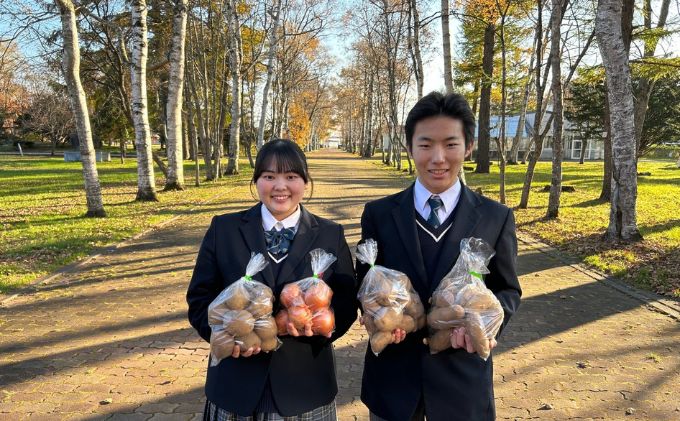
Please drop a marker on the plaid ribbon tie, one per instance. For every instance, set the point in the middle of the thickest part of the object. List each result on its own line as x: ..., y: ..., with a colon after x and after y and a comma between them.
x: 278, y: 242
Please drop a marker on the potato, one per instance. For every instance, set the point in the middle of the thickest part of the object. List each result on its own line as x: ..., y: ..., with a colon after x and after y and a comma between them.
x: 475, y: 327
x: 408, y: 324
x: 238, y: 300
x: 443, y: 298
x: 270, y: 344
x: 369, y: 324
x: 216, y: 314
x: 250, y: 340
x: 387, y: 319
x: 221, y: 344
x: 265, y: 328
x: 371, y: 306
x: 239, y: 322
x: 445, y: 317
x: 421, y: 321
x: 414, y: 307
x: 483, y: 301
x: 259, y: 308
x: 439, y: 341
x: 379, y: 341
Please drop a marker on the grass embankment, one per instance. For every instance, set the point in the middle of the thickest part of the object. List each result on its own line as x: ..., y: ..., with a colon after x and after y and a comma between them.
x: 652, y: 264
x: 43, y: 203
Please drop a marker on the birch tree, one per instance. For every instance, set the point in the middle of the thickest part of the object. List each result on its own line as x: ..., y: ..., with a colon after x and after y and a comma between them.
x: 622, y: 216
x: 235, y: 56
x: 558, y: 112
x: 146, y: 183
x: 446, y: 44
x: 71, y: 69
x: 175, y: 179
x: 271, y: 55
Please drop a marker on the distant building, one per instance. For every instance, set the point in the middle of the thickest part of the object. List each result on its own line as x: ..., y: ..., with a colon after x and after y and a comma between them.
x: 333, y: 140
x: 571, y: 137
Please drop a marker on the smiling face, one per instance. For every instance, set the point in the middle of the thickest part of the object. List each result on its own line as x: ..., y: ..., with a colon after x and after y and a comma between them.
x: 438, y: 150
x: 280, y: 192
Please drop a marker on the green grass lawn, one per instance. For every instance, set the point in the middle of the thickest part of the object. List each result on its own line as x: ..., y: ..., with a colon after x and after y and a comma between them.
x: 43, y: 202
x: 653, y: 264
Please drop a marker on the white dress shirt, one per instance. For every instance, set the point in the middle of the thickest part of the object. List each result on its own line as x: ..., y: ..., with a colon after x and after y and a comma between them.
x: 269, y: 222
x: 449, y: 197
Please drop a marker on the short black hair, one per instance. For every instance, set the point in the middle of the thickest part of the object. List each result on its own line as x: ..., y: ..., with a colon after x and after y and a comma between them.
x: 286, y: 154
x: 435, y: 104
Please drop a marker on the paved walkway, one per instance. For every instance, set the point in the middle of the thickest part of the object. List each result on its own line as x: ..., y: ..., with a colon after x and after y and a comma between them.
x: 110, y: 340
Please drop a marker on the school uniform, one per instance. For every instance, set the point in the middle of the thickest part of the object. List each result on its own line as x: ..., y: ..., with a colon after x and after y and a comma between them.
x: 299, y: 377
x: 404, y: 381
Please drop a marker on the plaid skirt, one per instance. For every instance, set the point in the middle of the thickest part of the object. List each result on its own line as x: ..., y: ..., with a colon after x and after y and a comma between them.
x: 322, y: 413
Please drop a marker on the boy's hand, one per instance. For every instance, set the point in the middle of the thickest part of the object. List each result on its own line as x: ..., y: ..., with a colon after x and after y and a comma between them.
x: 461, y: 339
x: 398, y: 335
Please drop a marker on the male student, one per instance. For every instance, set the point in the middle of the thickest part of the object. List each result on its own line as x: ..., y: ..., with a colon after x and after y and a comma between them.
x: 418, y: 231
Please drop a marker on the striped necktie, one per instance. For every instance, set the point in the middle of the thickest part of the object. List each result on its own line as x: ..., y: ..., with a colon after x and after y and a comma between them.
x: 435, y: 203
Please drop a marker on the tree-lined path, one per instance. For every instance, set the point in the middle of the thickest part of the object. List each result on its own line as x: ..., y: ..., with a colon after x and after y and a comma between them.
x: 111, y: 340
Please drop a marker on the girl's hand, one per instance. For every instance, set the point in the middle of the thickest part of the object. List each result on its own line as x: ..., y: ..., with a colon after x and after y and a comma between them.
x: 461, y: 339
x: 250, y: 351
x: 294, y: 332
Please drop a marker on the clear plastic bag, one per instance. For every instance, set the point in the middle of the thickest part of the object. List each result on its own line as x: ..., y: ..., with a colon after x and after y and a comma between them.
x: 462, y: 299
x: 308, y: 300
x: 242, y: 315
x: 388, y: 299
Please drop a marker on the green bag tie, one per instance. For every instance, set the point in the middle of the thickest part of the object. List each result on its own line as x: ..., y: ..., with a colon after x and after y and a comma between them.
x: 248, y: 278
x: 476, y: 275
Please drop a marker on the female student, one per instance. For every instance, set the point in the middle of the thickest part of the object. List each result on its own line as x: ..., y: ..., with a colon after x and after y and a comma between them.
x: 298, y: 380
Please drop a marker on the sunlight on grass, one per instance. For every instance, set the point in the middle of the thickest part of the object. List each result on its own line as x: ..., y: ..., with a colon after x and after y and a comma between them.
x: 43, y: 203
x: 652, y: 264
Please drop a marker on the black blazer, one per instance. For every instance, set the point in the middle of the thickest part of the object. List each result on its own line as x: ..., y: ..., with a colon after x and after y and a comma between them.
x: 455, y: 385
x: 302, y: 370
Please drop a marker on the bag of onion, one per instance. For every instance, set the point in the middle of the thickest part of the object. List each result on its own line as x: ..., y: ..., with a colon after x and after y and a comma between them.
x: 308, y: 300
x: 462, y: 299
x: 242, y: 315
x: 388, y: 299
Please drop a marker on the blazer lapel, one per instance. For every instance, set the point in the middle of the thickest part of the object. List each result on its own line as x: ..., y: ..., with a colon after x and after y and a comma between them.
x: 465, y: 220
x: 253, y: 235
x: 405, y: 220
x: 306, y: 234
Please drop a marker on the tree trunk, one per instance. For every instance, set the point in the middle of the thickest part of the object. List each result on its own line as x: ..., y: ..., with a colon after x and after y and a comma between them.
x: 517, y: 140
x: 536, y: 137
x: 146, y: 183
x: 584, y: 146
x: 622, y: 217
x: 646, y: 85
x: 276, y: 11
x: 175, y: 180
x: 483, y: 136
x: 71, y: 69
x: 418, y: 59
x: 606, y: 193
x: 558, y: 116
x: 446, y: 43
x: 235, y: 55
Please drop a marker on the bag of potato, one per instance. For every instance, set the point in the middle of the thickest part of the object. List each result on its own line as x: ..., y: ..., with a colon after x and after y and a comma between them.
x: 462, y: 299
x: 309, y: 300
x: 242, y: 315
x: 388, y: 300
